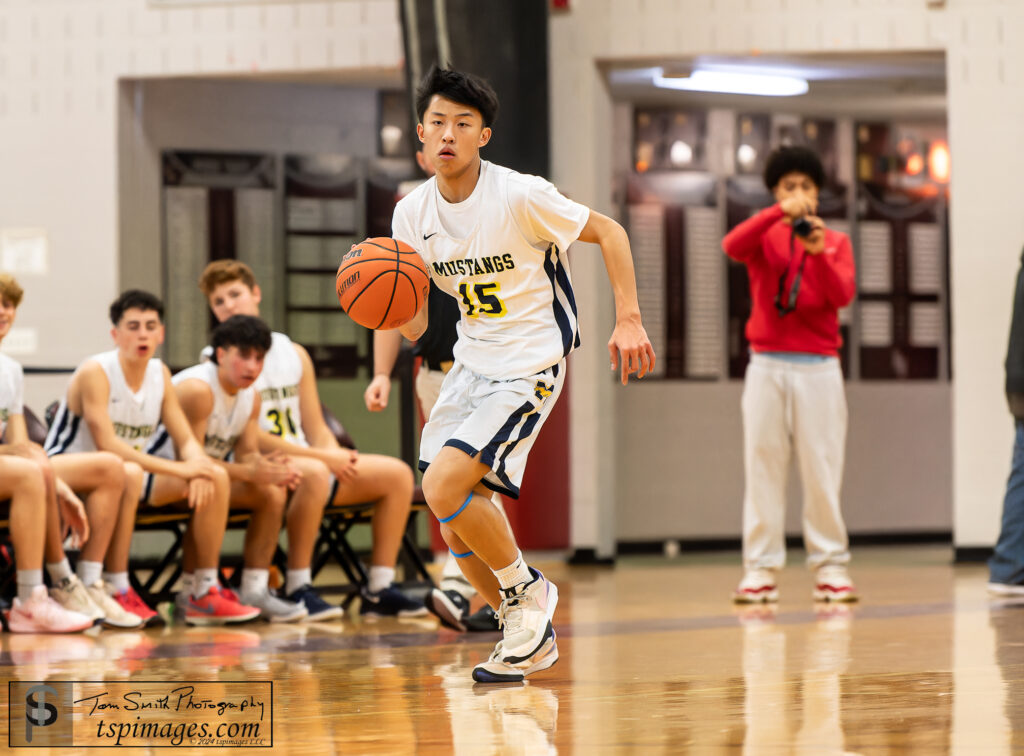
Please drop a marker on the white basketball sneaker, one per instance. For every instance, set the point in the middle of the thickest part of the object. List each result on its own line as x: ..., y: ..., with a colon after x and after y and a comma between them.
x: 528, y: 642
x: 757, y: 587
x: 833, y: 583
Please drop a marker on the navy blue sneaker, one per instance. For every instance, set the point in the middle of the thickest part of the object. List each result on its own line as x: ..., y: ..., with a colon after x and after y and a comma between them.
x: 390, y: 602
x: 319, y: 610
x: 450, y: 607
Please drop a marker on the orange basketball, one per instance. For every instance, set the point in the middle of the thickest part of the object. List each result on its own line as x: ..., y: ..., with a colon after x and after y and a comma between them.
x: 382, y: 283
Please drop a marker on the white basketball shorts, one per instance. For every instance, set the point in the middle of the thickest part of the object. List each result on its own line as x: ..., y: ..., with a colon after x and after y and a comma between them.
x: 499, y: 420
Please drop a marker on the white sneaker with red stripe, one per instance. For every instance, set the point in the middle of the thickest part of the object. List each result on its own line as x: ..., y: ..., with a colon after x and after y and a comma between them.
x: 757, y: 587
x: 833, y: 583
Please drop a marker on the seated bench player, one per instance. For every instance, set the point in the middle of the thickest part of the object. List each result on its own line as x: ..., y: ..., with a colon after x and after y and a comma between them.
x: 115, y: 402
x: 98, y: 476
x: 223, y: 410
x: 293, y: 422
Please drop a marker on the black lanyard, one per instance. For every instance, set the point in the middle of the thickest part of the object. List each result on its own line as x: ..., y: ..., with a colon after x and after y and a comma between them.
x: 782, y: 297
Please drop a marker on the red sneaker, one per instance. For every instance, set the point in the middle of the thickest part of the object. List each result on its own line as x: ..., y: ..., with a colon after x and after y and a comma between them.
x: 132, y: 602
x: 217, y: 609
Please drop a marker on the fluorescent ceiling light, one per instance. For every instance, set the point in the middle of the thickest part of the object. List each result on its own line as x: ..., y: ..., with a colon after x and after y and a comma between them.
x: 732, y: 82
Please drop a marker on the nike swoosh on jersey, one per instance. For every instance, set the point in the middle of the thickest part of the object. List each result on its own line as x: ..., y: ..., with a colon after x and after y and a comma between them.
x: 427, y: 236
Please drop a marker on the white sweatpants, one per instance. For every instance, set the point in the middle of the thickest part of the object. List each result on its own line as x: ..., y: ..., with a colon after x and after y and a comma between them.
x: 428, y: 389
x: 790, y: 407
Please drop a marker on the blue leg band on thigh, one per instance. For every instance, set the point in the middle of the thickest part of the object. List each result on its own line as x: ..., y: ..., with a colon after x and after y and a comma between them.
x: 458, y: 511
x: 461, y: 556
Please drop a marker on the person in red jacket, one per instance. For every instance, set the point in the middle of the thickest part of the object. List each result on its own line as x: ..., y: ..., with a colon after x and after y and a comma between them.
x: 801, y: 274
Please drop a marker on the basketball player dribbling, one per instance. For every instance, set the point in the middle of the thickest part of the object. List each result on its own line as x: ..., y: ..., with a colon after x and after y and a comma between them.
x: 496, y: 240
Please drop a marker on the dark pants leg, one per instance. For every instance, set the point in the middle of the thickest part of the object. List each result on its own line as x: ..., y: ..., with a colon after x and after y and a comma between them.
x: 1007, y: 563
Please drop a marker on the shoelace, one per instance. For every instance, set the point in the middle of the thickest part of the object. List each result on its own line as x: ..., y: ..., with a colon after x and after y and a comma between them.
x: 510, y: 614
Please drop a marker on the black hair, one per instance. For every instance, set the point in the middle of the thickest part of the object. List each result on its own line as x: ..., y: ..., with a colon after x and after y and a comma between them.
x: 463, y: 88
x: 243, y: 331
x: 786, y: 160
x: 138, y: 300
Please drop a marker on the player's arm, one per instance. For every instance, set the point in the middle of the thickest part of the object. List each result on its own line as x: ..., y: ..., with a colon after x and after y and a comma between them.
x: 196, y: 401
x: 94, y: 389
x: 417, y: 326
x: 386, y: 345
x: 15, y: 435
x: 629, y: 339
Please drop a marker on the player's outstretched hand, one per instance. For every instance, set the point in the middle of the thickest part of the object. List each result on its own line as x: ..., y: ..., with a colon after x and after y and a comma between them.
x: 377, y: 393
x: 630, y: 347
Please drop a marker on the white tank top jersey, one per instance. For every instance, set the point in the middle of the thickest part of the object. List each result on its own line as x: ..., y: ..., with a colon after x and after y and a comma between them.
x: 226, y: 421
x: 278, y: 387
x: 12, y: 390
x: 502, y: 254
x: 135, y: 416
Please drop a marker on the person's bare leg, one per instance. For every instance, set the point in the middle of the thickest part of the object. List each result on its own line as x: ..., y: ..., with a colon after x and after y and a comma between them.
x: 99, y: 479
x: 266, y: 506
x: 479, y: 527
x: 21, y: 481
x: 306, y: 511
x: 119, y: 549
x: 208, y: 522
x: 388, y: 482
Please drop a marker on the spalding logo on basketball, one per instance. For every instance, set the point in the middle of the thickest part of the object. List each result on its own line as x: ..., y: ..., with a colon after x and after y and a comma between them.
x: 382, y: 283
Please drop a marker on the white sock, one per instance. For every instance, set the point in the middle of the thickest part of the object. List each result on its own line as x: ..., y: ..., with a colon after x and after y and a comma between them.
x: 89, y: 572
x: 118, y: 581
x: 27, y: 581
x: 204, y: 580
x: 515, y: 574
x: 59, y: 570
x: 380, y: 578
x: 298, y: 578
x: 255, y: 582
x: 187, y: 581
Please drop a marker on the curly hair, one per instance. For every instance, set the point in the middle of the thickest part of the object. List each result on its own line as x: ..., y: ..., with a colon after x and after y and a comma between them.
x: 793, y: 160
x: 243, y: 331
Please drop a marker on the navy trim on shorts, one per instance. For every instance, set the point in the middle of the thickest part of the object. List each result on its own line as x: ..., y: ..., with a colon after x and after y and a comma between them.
x: 510, y: 490
x: 461, y: 446
x: 489, y: 452
x: 525, y: 432
x: 147, y: 490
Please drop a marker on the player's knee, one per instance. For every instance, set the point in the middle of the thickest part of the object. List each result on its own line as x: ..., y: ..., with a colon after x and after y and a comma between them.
x: 221, y: 480
x: 112, y: 468
x: 133, y: 474
x: 27, y: 476
x: 437, y: 490
x: 275, y: 497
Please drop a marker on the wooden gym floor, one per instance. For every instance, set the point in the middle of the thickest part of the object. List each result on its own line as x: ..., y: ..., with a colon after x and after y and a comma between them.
x: 654, y: 660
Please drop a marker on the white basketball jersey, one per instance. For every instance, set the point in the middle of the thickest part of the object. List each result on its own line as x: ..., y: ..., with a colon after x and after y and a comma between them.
x: 135, y: 415
x: 12, y: 387
x: 227, y: 419
x: 502, y: 254
x: 278, y: 387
